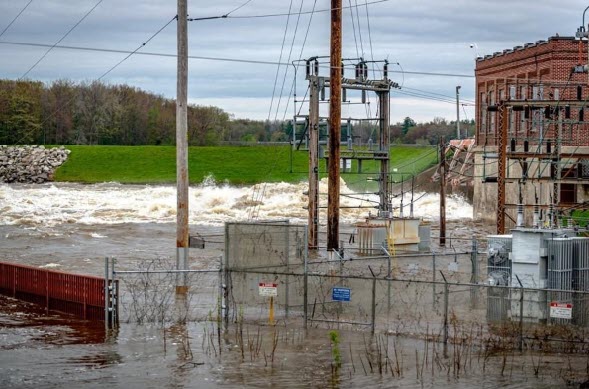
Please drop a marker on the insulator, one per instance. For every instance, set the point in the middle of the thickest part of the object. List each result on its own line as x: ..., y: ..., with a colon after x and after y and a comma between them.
x: 316, y: 67
x: 308, y: 68
x: 385, y: 71
x: 344, y: 94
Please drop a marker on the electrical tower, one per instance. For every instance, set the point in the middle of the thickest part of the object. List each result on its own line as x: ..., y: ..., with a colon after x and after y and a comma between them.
x: 314, y: 136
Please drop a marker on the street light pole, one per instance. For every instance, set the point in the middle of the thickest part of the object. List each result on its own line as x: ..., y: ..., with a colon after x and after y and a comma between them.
x: 458, y: 112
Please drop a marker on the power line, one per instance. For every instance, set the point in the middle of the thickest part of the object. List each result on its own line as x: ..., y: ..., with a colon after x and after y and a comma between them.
x: 225, y: 16
x: 279, y: 61
x: 306, y: 12
x: 16, y: 17
x: 437, y: 94
x: 426, y: 97
x: 61, y: 39
x: 112, y: 68
x: 294, y: 35
x: 220, y: 59
x: 238, y: 8
x: 292, y: 86
x: 138, y: 48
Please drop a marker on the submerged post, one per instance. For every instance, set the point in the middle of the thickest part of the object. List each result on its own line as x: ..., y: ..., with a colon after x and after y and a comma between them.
x: 446, y: 292
x: 106, y: 298
x: 442, y: 192
x: 182, y: 148
x: 521, y: 315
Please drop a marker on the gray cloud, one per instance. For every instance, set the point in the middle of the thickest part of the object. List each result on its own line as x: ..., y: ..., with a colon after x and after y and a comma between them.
x: 425, y: 36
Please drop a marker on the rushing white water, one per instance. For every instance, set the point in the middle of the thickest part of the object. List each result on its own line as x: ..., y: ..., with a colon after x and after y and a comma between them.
x: 210, y: 204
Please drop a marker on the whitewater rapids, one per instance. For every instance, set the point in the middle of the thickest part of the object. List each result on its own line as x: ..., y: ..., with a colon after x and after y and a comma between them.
x: 210, y: 204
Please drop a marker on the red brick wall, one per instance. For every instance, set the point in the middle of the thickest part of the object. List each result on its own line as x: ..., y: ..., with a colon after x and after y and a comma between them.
x: 545, y: 65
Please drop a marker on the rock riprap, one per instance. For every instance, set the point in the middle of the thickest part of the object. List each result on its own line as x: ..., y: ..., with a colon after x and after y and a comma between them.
x: 30, y: 164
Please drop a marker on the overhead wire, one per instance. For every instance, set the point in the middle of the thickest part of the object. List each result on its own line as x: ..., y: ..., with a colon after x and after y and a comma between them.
x: 208, y: 58
x: 354, y: 28
x: 111, y: 69
x: 305, y: 12
x: 294, y: 35
x: 60, y: 40
x: 258, y: 196
x: 292, y: 86
x: 279, y: 61
x: 15, y: 18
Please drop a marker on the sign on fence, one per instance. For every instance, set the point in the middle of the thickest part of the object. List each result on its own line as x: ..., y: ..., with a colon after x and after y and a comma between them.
x: 268, y: 289
x: 561, y: 310
x: 341, y: 294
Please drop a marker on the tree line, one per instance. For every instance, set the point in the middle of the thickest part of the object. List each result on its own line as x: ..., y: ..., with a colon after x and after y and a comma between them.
x: 64, y: 112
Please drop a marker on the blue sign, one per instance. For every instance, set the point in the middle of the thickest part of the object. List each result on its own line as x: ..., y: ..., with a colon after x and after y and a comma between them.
x: 341, y: 294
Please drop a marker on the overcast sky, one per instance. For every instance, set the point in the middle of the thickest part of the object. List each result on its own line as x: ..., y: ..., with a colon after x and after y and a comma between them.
x: 422, y: 36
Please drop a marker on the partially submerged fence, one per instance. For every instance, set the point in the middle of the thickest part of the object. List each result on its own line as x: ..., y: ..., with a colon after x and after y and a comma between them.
x: 79, y: 295
x: 270, y: 277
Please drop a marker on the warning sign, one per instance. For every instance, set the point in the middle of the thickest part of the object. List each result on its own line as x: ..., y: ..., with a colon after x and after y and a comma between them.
x: 268, y: 289
x: 561, y: 310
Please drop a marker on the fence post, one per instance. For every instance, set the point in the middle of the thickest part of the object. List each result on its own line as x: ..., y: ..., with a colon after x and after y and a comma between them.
x: 446, y: 292
x: 305, y: 293
x: 220, y: 305
x: 434, y: 280
x: 114, y: 302
x: 373, y: 303
x: 475, y: 273
x: 106, y: 299
x: 287, y: 251
x: 521, y: 314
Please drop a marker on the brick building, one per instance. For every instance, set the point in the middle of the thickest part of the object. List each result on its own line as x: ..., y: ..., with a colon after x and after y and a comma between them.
x: 536, y: 92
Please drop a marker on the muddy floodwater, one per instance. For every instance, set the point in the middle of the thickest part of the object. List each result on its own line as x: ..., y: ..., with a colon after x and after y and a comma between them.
x: 73, y: 227
x: 38, y: 350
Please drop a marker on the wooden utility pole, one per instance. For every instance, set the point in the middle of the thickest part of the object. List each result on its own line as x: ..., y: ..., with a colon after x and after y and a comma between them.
x: 313, y: 163
x: 442, y: 192
x: 182, y: 236
x: 335, y: 115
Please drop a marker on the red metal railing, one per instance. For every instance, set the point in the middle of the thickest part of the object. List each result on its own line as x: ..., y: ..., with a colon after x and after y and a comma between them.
x: 82, y: 296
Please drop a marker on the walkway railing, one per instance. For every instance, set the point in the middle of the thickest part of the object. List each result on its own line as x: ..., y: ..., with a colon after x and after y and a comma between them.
x: 79, y: 295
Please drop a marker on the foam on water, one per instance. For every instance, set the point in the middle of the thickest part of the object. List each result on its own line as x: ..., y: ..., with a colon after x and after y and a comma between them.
x: 210, y: 204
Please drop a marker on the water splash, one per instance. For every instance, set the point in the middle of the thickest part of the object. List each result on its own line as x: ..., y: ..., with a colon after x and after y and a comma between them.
x: 210, y: 204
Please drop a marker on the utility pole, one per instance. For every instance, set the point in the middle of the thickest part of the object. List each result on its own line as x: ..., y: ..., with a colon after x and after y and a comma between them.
x: 313, y: 124
x: 458, y: 112
x: 182, y: 148
x: 335, y: 115
x: 442, y: 192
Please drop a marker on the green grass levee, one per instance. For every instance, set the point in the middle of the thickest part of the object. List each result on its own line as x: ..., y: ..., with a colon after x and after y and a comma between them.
x: 237, y: 165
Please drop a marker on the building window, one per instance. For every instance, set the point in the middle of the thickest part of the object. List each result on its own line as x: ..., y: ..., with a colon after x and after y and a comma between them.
x: 483, y: 111
x: 491, y: 100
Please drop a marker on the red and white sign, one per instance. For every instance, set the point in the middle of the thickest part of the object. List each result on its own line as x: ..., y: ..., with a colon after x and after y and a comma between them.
x: 268, y: 289
x: 561, y: 310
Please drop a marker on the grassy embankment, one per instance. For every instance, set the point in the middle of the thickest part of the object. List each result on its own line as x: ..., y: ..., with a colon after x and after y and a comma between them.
x: 234, y: 164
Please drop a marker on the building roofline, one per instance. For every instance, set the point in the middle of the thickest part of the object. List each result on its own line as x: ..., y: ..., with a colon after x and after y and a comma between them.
x: 525, y: 46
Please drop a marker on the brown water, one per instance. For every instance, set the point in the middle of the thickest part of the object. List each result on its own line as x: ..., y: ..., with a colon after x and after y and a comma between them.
x: 49, y: 351
x: 40, y: 350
